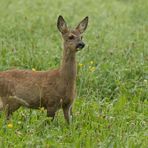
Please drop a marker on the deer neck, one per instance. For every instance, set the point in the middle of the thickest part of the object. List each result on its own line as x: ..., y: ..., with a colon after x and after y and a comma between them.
x: 68, y: 66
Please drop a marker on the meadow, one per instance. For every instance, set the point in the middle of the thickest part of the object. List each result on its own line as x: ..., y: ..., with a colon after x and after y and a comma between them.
x: 111, y: 107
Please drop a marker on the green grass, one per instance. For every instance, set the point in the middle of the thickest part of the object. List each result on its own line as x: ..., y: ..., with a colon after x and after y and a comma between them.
x: 111, y: 108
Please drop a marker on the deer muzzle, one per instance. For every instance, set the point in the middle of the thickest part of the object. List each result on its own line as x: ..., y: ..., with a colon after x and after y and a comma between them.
x: 80, y: 45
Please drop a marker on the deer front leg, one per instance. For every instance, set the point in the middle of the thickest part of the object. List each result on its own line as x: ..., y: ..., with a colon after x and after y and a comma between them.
x: 51, y: 112
x: 71, y: 113
x: 1, y: 104
x: 67, y: 110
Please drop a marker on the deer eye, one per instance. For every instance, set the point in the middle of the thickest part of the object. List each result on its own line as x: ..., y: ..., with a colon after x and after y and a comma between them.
x: 71, y: 37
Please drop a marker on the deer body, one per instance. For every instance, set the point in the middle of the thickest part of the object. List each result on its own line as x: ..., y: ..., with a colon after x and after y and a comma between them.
x: 53, y: 89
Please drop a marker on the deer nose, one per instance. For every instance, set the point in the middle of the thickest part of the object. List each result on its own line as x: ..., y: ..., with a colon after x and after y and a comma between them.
x: 80, y: 45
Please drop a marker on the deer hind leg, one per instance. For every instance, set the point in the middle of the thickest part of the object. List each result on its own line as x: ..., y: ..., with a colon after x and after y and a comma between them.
x: 10, y: 105
x: 10, y: 109
x: 5, y: 107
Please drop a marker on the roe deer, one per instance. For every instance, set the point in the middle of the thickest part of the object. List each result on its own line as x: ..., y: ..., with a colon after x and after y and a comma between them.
x: 53, y: 89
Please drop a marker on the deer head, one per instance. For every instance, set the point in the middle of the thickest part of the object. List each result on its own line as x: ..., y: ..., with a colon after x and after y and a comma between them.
x: 72, y: 38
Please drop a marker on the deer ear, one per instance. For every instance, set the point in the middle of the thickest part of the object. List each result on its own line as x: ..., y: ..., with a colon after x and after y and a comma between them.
x: 82, y: 25
x: 61, y: 24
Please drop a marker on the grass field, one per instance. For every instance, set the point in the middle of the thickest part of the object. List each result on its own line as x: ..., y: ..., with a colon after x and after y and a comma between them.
x: 111, y: 108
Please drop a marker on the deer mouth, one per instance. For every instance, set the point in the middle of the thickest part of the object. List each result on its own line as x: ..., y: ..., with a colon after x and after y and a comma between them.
x: 80, y: 46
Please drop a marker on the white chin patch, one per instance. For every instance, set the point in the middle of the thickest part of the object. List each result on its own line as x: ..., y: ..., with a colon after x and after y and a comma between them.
x: 1, y: 104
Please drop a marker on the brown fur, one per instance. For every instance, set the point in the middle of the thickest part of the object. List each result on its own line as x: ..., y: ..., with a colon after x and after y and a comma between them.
x: 53, y: 89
